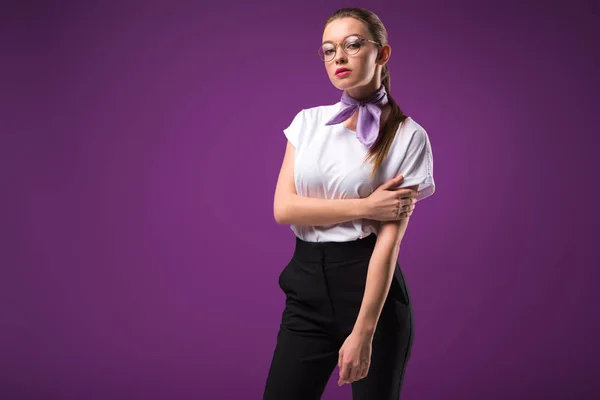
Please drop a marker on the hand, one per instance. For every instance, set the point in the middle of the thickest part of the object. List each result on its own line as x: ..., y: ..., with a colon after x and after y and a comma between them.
x: 355, y: 358
x: 386, y: 204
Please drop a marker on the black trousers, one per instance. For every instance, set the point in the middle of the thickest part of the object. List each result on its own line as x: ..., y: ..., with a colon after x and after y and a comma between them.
x: 324, y: 283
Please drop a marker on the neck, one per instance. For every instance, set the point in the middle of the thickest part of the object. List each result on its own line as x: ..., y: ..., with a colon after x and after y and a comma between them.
x: 366, y: 91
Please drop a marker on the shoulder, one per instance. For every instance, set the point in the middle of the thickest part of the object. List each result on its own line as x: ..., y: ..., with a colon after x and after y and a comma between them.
x: 413, y: 133
x: 411, y: 138
x: 413, y: 128
x: 317, y: 112
x: 306, y: 121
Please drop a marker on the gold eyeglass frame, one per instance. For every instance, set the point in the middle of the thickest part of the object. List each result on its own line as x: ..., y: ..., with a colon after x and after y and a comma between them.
x: 335, y: 46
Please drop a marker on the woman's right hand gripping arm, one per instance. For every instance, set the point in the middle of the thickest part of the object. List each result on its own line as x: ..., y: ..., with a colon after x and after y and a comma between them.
x: 384, y: 204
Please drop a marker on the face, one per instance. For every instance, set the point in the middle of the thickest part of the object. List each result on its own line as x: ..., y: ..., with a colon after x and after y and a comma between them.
x: 364, y: 66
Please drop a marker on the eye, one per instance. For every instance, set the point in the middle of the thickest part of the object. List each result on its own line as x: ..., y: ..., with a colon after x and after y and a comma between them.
x: 352, y: 42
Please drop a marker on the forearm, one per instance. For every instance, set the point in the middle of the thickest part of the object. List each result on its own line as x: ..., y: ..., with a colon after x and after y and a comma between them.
x: 380, y: 274
x: 302, y: 210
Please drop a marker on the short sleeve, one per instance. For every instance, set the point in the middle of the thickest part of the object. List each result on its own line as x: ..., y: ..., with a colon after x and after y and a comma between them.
x: 292, y: 132
x: 417, y: 165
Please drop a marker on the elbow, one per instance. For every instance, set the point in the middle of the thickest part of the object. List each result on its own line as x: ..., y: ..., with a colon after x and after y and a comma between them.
x: 279, y: 214
x: 281, y: 209
x: 279, y: 218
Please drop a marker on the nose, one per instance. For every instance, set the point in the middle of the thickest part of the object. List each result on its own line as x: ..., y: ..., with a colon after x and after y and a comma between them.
x: 340, y: 54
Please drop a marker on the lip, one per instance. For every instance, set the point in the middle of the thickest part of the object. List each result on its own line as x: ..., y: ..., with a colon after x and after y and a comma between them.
x: 337, y: 71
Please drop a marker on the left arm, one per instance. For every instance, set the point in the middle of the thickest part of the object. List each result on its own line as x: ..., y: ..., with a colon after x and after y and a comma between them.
x: 379, y: 275
x: 355, y: 354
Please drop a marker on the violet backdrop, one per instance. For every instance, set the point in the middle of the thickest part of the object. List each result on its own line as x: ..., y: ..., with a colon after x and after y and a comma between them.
x: 140, y: 147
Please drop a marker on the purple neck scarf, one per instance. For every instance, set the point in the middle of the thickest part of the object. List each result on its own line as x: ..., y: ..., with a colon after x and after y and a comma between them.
x: 369, y: 115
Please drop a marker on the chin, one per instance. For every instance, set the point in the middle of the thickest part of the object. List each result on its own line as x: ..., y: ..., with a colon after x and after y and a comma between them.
x: 343, y: 84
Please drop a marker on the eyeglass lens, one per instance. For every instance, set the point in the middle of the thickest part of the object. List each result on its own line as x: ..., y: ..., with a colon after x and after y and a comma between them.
x: 351, y: 45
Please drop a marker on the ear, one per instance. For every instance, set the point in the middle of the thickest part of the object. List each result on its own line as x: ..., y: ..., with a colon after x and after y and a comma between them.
x: 384, y: 54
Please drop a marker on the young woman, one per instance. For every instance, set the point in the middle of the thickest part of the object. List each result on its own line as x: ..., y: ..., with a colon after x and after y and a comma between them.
x: 346, y: 300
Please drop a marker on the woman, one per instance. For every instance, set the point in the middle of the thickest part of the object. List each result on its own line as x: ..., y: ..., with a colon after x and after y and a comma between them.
x: 346, y: 300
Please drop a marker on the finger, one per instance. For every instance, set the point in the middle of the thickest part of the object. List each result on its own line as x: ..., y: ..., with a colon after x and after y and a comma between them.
x: 393, y: 182
x: 355, y: 373
x: 352, y: 371
x: 402, y: 215
x: 360, y: 374
x: 406, y: 201
x: 364, y: 372
x: 342, y: 380
x: 402, y: 193
x: 344, y: 372
x: 347, y: 378
x: 361, y: 371
x: 408, y: 196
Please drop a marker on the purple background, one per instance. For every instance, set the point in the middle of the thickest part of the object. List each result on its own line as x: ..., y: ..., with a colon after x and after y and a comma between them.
x: 140, y: 148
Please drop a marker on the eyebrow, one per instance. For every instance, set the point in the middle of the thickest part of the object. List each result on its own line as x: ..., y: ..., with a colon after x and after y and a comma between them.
x: 352, y: 34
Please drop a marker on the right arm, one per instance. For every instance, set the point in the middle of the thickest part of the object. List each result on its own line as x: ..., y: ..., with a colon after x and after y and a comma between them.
x: 290, y: 208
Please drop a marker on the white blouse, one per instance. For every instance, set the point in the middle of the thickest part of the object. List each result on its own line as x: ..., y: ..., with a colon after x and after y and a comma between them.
x: 329, y: 165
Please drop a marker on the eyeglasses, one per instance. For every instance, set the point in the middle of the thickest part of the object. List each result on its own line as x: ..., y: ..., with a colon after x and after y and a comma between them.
x: 351, y: 45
